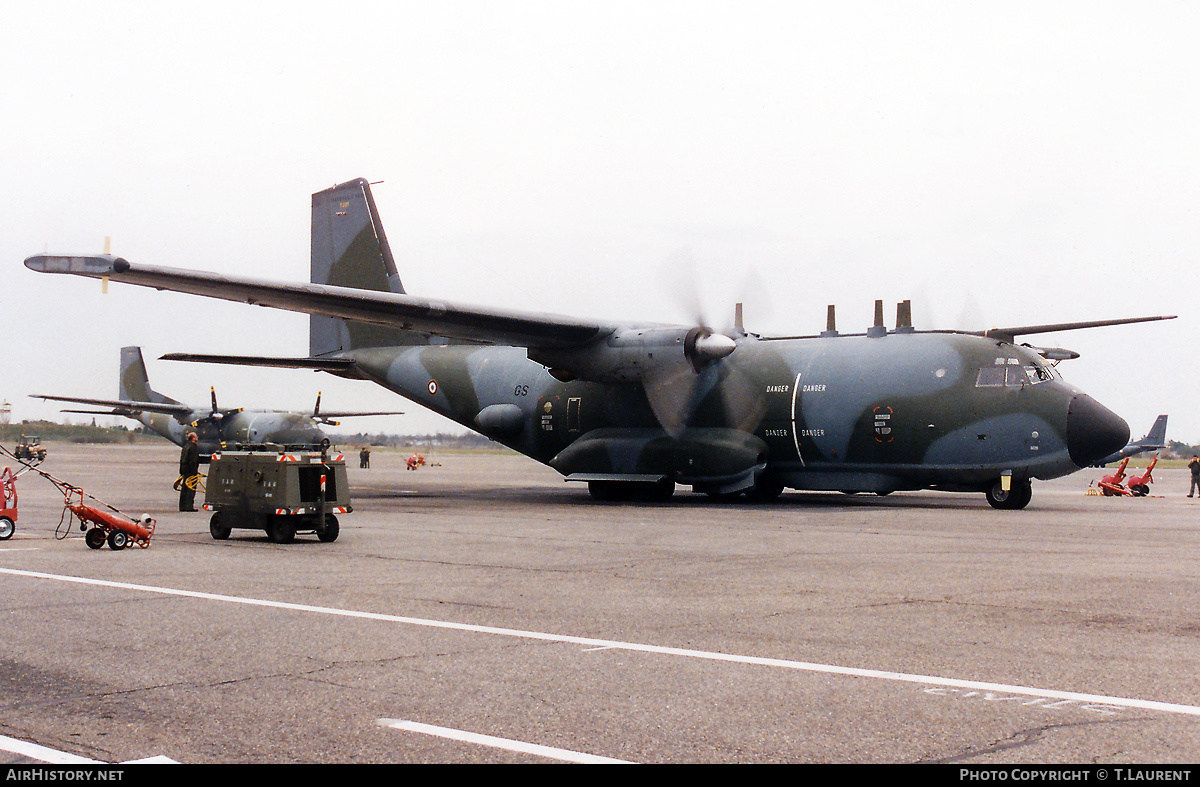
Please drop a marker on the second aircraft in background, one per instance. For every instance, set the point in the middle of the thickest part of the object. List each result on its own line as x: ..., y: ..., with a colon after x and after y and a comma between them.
x: 215, y: 428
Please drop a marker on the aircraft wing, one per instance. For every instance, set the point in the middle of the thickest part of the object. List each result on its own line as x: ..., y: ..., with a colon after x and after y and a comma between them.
x: 438, y: 318
x: 125, y: 405
x: 1009, y: 334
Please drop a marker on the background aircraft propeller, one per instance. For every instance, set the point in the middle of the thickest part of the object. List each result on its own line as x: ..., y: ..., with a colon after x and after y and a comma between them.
x: 216, y: 414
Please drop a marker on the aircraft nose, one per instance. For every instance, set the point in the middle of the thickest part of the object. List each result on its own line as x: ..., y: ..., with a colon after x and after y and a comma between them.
x: 1093, y: 431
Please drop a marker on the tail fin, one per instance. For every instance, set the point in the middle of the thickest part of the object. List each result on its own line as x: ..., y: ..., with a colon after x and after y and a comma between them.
x: 134, y: 383
x: 349, y: 249
x: 1157, y: 436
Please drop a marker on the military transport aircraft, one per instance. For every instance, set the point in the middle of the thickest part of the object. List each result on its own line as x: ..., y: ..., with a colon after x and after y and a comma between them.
x: 215, y: 428
x: 635, y: 409
x: 1154, y: 440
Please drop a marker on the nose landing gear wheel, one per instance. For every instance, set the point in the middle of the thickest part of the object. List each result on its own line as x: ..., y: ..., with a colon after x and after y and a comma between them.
x: 1017, y: 497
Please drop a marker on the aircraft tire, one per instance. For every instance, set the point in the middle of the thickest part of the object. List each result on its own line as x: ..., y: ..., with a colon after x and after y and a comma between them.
x: 94, y: 538
x: 331, y: 530
x: 1016, y: 498
x: 281, y: 530
x: 7, y: 528
x: 216, y: 529
x: 622, y: 491
x: 764, y: 492
x: 117, y: 540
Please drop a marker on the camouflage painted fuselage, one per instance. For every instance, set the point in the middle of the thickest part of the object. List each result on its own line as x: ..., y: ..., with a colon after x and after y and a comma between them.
x: 236, y: 427
x: 904, y: 410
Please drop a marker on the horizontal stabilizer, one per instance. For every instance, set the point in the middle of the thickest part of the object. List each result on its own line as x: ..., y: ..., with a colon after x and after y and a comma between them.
x: 170, y: 408
x: 343, y: 366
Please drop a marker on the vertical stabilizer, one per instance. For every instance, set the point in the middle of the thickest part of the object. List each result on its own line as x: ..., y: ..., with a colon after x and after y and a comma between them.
x: 134, y: 382
x: 1157, y: 436
x: 349, y: 249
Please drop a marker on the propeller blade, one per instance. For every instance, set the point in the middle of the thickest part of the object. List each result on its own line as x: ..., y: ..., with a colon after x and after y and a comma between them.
x: 743, y: 400
x: 676, y: 390
x: 671, y: 389
x: 677, y: 276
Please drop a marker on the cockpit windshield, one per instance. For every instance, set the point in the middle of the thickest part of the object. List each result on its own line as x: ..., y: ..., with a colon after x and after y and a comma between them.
x: 1014, y: 373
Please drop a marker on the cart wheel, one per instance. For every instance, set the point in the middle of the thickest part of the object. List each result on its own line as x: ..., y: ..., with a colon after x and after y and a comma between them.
x: 117, y: 540
x: 331, y: 529
x: 7, y: 528
x: 218, y: 531
x: 94, y: 538
x: 281, y: 530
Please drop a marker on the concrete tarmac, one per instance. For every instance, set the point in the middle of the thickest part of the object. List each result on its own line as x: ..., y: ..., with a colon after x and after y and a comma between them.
x: 481, y: 610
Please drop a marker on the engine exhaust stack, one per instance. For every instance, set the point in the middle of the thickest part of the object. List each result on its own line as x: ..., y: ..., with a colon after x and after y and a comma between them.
x: 878, y: 329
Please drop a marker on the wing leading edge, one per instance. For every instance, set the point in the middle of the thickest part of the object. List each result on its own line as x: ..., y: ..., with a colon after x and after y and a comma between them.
x: 436, y: 318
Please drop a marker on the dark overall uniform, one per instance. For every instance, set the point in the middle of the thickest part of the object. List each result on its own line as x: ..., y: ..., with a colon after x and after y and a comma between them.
x: 189, y: 465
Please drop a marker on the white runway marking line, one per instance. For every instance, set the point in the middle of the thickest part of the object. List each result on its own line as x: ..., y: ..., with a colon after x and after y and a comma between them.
x: 43, y: 754
x: 854, y: 672
x: 566, y: 755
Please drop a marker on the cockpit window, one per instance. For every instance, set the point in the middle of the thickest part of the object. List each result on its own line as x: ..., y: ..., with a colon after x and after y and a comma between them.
x: 990, y: 377
x: 1013, y: 373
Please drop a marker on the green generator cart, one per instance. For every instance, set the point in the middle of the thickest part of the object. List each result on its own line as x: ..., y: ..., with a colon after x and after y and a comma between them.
x: 277, y: 489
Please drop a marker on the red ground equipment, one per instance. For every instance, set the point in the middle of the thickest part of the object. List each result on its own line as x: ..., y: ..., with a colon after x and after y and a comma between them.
x: 8, y: 503
x: 110, y: 526
x: 1138, y: 485
x: 415, y: 461
x: 113, y: 527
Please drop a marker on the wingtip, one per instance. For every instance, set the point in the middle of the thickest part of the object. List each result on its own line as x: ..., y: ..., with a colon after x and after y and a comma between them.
x: 82, y: 265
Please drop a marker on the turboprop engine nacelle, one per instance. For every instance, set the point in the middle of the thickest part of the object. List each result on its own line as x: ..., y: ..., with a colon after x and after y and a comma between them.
x: 628, y: 355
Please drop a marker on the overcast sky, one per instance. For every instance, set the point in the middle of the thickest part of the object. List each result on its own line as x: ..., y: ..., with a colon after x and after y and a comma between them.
x: 998, y: 163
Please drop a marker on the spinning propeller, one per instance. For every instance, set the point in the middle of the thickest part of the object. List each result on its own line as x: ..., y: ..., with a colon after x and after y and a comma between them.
x: 678, y: 385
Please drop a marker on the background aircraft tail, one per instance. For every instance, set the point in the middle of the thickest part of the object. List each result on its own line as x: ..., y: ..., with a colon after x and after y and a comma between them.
x: 1157, y: 436
x: 134, y: 383
x: 349, y: 249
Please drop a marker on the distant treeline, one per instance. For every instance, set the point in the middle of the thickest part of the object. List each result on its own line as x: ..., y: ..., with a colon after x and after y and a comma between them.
x: 443, y: 440
x: 69, y: 433
x: 1178, y: 450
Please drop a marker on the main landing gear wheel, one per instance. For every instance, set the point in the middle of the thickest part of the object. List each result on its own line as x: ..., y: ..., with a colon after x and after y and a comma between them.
x: 642, y: 491
x: 1017, y: 497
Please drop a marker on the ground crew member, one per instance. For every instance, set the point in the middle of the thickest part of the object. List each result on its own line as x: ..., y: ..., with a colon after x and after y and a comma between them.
x: 1194, y: 466
x: 189, y: 473
x: 364, y: 457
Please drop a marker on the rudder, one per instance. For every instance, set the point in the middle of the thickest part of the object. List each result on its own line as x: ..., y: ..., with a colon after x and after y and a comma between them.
x: 134, y: 382
x: 350, y: 249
